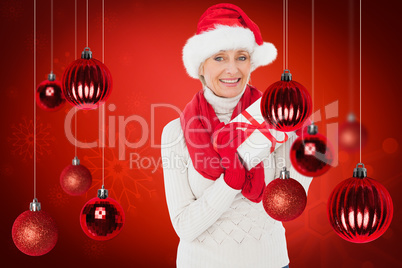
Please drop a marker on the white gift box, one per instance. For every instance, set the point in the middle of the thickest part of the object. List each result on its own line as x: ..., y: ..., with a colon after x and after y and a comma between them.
x: 259, y: 143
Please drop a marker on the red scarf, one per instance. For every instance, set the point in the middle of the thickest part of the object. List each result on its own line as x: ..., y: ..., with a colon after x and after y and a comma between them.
x: 198, y: 122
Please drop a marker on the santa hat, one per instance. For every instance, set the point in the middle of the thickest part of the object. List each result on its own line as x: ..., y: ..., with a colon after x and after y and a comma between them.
x: 226, y: 27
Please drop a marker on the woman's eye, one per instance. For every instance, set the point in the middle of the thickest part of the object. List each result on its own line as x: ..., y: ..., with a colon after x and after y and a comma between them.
x: 218, y: 58
x: 242, y: 58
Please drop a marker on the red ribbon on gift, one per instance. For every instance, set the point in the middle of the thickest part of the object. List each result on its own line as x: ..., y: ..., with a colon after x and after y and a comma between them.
x: 263, y: 128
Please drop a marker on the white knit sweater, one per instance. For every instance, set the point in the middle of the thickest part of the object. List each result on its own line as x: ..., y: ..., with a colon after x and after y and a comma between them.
x: 219, y: 227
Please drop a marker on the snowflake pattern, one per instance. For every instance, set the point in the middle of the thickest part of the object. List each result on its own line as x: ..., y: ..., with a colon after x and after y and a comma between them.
x: 60, y: 64
x: 125, y: 184
x: 6, y: 170
x: 12, y: 93
x: 111, y: 21
x: 21, y: 139
x: 11, y: 9
x: 42, y: 42
x: 93, y: 249
x: 57, y: 196
x: 137, y: 101
x: 125, y: 59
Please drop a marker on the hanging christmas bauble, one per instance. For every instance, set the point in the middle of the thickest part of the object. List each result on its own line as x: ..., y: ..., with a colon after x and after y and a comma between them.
x: 349, y: 135
x: 49, y: 95
x: 75, y: 179
x: 286, y: 104
x: 34, y: 231
x: 311, y: 154
x: 102, y: 218
x: 87, y: 82
x: 284, y: 198
x: 359, y: 208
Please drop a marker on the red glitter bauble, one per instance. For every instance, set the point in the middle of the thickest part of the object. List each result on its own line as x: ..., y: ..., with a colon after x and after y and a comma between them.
x: 75, y: 179
x: 87, y: 82
x: 360, y: 209
x: 284, y: 199
x: 49, y: 95
x: 102, y: 219
x: 286, y: 104
x: 34, y: 233
x: 349, y: 135
x: 311, y: 155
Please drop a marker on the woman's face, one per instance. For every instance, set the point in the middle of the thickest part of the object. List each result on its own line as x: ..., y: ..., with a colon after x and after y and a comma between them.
x: 226, y: 73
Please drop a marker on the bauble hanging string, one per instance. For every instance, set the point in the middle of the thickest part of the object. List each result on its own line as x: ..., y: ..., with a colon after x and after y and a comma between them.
x: 49, y: 95
x: 87, y: 82
x: 284, y: 198
x: 286, y: 104
x: 311, y: 153
x: 349, y: 129
x: 75, y: 179
x: 102, y: 217
x: 34, y: 232
x: 360, y: 208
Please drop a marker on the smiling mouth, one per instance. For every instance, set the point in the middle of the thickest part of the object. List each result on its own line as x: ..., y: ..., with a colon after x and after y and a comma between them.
x: 230, y: 81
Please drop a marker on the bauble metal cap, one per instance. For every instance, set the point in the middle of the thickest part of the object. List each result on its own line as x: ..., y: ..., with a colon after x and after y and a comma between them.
x: 312, y: 129
x: 360, y: 172
x: 286, y: 76
x: 86, y: 54
x: 34, y: 205
x: 51, y: 77
x: 76, y: 161
x: 351, y: 117
x: 284, y: 174
x: 103, y: 193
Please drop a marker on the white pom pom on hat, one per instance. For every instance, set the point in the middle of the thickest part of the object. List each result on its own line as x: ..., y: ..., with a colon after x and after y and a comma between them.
x: 226, y: 27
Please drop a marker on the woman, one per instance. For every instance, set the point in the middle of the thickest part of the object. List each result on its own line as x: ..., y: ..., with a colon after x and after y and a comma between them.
x: 214, y: 202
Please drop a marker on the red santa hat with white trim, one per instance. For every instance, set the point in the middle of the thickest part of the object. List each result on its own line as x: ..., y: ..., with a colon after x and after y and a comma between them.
x: 226, y: 27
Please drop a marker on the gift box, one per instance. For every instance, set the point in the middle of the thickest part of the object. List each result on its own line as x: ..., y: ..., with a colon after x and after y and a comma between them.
x: 261, y: 140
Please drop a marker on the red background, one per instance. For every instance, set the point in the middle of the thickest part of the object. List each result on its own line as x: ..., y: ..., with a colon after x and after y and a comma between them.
x: 143, y: 43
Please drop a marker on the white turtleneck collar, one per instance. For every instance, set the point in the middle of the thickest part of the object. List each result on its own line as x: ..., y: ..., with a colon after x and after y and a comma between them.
x: 222, y: 106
